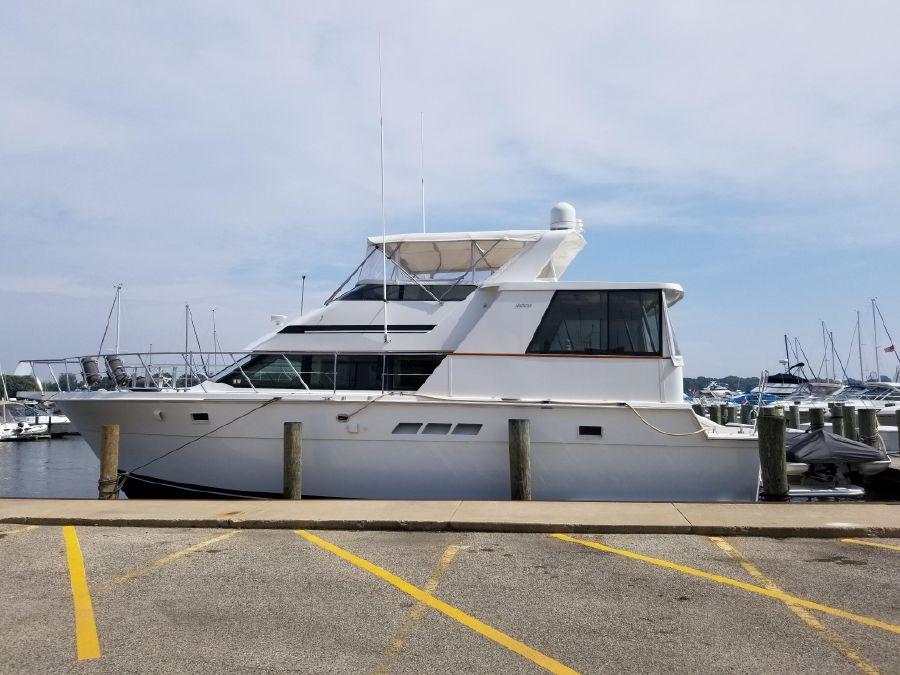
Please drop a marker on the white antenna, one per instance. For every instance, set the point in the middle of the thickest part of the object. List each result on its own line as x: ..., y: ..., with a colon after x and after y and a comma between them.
x: 302, y: 292
x: 118, y: 314
x: 383, y: 220
x: 422, y: 162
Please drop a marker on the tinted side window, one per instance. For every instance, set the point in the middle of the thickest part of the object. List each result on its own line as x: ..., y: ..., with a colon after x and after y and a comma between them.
x: 601, y: 322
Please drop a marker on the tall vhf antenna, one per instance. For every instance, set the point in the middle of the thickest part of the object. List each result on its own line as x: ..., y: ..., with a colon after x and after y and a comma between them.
x: 422, y: 162
x: 383, y: 219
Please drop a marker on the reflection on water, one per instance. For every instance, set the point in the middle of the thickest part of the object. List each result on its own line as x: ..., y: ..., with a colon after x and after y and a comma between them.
x: 62, y: 468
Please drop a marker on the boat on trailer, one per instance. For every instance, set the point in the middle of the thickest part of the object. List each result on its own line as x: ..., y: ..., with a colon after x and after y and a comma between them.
x: 406, y: 378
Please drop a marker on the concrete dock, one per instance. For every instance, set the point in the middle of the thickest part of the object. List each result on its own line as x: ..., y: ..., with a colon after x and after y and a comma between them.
x: 176, y: 599
x: 772, y: 519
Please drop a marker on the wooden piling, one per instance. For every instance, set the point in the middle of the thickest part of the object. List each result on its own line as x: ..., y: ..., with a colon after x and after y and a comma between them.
x: 293, y: 460
x: 897, y: 422
x: 851, y: 423
x: 731, y: 414
x: 772, y: 456
x: 715, y: 414
x: 697, y: 408
x: 793, y: 418
x: 816, y: 418
x: 745, y: 413
x: 520, y: 460
x: 108, y: 485
x: 868, y: 426
x: 837, y: 419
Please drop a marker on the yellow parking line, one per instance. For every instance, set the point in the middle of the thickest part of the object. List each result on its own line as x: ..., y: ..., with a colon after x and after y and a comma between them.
x: 87, y: 646
x: 427, y: 599
x: 876, y: 544
x: 27, y: 528
x: 417, y: 611
x: 156, y: 564
x: 728, y: 581
x: 827, y: 633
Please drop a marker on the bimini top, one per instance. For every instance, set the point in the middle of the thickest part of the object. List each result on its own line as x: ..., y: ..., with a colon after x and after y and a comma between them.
x: 454, y: 251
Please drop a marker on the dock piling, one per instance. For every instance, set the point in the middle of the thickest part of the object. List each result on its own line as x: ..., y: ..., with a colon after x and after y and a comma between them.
x: 715, y: 413
x: 731, y: 414
x: 868, y: 426
x: 851, y: 423
x: 745, y: 413
x: 793, y: 419
x: 108, y: 485
x: 520, y: 459
x: 816, y: 418
x: 293, y: 460
x: 772, y: 456
x: 837, y: 419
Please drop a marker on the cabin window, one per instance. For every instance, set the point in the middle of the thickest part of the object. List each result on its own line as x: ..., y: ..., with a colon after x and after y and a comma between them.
x: 409, y: 292
x: 626, y: 322
x: 370, y: 372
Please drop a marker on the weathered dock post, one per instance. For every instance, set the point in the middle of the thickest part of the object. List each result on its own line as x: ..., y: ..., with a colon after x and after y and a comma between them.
x: 745, y: 413
x: 697, y: 408
x: 868, y: 426
x: 520, y: 460
x: 715, y: 414
x: 793, y: 420
x: 772, y: 456
x: 108, y: 485
x: 816, y: 418
x: 731, y: 415
x: 837, y: 419
x: 293, y: 460
x: 851, y: 423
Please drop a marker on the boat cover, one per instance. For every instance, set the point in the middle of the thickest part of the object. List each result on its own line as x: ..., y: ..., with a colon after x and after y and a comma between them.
x: 823, y: 447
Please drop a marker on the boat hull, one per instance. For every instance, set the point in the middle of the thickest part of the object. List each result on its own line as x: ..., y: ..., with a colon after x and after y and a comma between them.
x: 351, y: 449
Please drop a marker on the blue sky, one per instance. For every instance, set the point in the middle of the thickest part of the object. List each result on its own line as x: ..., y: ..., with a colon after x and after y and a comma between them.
x: 212, y: 152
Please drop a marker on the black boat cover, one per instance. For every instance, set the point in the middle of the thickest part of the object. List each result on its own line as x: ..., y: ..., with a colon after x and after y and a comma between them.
x: 823, y: 447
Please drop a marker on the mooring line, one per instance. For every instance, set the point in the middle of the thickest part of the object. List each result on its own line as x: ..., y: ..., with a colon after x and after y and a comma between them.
x: 426, y: 598
x: 743, y: 585
x: 803, y: 614
x: 87, y: 645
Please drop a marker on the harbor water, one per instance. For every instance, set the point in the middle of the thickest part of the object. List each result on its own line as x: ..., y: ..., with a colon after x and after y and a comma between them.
x: 58, y: 468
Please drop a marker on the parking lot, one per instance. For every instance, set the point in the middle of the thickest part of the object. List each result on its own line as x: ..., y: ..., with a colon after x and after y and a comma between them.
x: 107, y: 599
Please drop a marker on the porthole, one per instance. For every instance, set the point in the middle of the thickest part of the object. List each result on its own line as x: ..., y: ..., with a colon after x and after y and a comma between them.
x: 466, y: 429
x: 437, y: 428
x: 594, y: 432
x: 407, y: 428
x: 200, y: 418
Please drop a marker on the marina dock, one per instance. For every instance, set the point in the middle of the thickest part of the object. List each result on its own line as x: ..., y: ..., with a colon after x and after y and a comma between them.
x: 772, y: 520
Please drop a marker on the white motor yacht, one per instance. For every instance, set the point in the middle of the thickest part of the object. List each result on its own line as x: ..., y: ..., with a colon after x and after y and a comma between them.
x: 17, y: 424
x: 405, y: 381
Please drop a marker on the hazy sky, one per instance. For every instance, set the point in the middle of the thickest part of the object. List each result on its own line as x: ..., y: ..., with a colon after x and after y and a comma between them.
x: 212, y: 152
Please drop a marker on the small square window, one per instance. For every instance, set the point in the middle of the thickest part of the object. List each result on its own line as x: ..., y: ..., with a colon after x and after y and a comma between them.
x: 200, y: 418
x: 590, y: 431
x: 437, y: 428
x: 466, y: 429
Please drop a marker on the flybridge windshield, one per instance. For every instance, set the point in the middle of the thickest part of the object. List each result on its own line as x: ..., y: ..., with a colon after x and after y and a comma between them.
x: 434, y: 261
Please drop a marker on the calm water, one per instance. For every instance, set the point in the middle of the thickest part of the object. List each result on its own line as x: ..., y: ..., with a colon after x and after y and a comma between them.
x: 62, y: 467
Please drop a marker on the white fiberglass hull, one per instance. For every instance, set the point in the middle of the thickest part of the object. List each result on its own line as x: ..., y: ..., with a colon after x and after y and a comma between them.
x: 363, y: 458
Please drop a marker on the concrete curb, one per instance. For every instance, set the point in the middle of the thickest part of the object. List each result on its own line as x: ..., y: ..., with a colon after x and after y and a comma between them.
x: 715, y: 519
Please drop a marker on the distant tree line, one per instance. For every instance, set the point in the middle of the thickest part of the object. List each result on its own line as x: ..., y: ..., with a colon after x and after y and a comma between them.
x: 733, y: 382
x: 17, y: 383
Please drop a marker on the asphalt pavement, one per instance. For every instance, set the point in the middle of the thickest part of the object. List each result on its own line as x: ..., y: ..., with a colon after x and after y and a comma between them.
x: 114, y: 599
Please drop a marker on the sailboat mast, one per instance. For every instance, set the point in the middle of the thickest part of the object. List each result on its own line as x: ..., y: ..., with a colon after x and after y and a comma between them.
x: 862, y: 375
x: 422, y: 162
x: 875, y: 343
x: 383, y: 219
x: 787, y: 354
